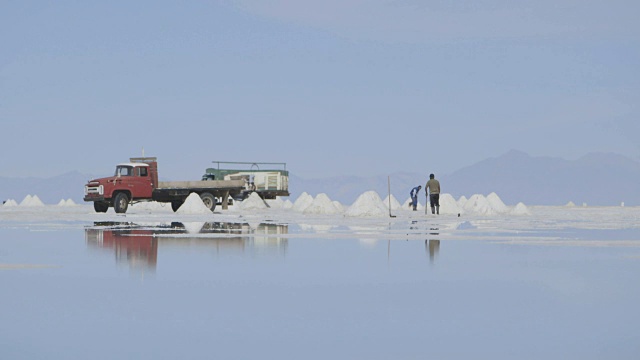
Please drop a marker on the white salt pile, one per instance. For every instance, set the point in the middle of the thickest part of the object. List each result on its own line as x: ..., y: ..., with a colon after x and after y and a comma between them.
x: 395, y: 204
x: 10, y: 203
x: 287, y: 204
x: 570, y: 204
x: 478, y: 204
x: 461, y: 201
x: 338, y: 206
x: 449, y: 205
x: 302, y: 202
x: 496, y: 203
x: 276, y: 203
x: 521, y: 209
x: 67, y: 202
x: 253, y: 202
x: 31, y: 201
x: 321, y: 205
x: 368, y: 204
x: 193, y: 205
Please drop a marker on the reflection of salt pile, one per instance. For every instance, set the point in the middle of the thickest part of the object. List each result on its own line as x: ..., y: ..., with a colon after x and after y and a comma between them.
x: 302, y: 202
x: 367, y: 204
x: 496, y: 203
x: 321, y: 205
x: 395, y: 204
x: 193, y: 227
x: 253, y: 202
x: 31, y: 201
x: 193, y: 205
x: 521, y: 209
x: 67, y: 202
x: 10, y: 203
x: 320, y: 228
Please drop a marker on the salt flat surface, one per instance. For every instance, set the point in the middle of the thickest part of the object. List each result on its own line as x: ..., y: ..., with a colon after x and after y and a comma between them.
x: 319, y: 286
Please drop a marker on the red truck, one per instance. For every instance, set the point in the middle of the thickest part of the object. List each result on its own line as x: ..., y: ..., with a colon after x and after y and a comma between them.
x: 137, y: 181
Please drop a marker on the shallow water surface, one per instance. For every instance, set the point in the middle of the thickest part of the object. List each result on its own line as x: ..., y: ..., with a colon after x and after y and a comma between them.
x: 239, y: 291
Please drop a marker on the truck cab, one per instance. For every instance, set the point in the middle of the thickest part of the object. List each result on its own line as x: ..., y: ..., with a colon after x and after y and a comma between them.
x: 132, y: 181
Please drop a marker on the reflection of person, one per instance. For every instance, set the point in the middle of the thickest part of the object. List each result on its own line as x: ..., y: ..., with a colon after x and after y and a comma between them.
x: 433, y: 246
x: 414, y: 196
x: 433, y: 186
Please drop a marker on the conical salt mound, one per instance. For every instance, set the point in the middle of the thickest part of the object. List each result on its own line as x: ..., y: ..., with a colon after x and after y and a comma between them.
x: 449, y: 205
x: 321, y: 205
x: 31, y: 201
x: 496, y: 203
x: 287, y: 204
x: 338, y: 206
x: 395, y: 204
x: 276, y: 203
x: 26, y: 201
x: 570, y: 204
x: 193, y: 205
x: 368, y: 204
x: 478, y: 204
x: 67, y: 202
x: 10, y: 203
x: 461, y: 201
x: 253, y: 202
x: 521, y: 209
x: 302, y: 202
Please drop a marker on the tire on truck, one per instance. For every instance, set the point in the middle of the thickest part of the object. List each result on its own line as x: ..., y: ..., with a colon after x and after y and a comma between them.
x: 121, y: 203
x: 100, y: 207
x: 208, y: 200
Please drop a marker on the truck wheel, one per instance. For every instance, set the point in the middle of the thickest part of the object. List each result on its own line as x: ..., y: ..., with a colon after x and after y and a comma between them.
x: 100, y: 207
x: 175, y: 205
x: 208, y: 200
x: 121, y: 203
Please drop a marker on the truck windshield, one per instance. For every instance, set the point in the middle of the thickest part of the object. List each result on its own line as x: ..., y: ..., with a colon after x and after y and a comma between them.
x: 124, y: 171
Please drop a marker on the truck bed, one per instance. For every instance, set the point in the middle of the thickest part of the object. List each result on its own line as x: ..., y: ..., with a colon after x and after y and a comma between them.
x: 208, y: 184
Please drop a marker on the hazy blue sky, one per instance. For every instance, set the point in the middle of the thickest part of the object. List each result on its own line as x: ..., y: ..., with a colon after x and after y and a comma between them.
x: 331, y: 87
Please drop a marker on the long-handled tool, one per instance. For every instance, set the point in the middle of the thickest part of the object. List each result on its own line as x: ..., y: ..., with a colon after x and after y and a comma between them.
x: 426, y: 199
x: 389, y: 197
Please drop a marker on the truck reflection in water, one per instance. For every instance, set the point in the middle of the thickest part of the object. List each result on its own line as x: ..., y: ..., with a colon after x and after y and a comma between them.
x: 137, y: 244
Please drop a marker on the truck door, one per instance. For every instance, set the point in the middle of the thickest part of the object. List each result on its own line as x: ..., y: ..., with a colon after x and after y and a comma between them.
x: 140, y: 183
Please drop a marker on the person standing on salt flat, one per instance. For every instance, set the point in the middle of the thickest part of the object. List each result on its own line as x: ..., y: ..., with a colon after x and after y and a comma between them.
x: 433, y: 186
x: 414, y: 196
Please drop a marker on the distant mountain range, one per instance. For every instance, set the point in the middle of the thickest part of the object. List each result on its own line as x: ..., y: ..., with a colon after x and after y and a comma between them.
x: 595, y: 179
